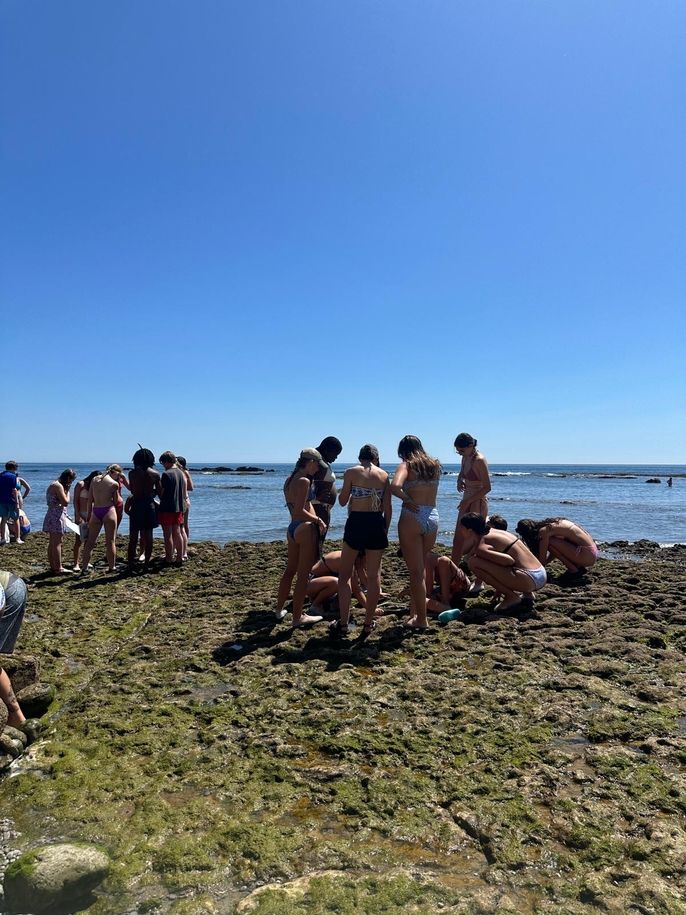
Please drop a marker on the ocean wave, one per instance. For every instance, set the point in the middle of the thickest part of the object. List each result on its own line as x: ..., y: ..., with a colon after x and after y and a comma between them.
x: 511, y: 473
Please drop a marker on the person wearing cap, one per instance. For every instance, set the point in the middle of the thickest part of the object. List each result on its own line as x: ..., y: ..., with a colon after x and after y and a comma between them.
x: 9, y: 502
x: 324, y: 480
x: 302, y: 537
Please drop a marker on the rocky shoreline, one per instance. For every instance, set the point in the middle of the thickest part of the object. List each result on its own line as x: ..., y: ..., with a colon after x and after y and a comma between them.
x: 529, y: 764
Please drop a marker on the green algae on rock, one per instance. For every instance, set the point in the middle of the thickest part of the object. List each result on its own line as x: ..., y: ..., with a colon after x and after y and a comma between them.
x: 211, y: 749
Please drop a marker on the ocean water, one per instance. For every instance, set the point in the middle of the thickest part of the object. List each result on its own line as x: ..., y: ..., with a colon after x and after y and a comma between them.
x: 614, y: 502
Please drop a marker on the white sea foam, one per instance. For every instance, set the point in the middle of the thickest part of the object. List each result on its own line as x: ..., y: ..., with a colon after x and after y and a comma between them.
x: 511, y: 473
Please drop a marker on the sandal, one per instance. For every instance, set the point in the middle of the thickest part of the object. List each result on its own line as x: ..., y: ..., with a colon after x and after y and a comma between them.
x: 368, y: 628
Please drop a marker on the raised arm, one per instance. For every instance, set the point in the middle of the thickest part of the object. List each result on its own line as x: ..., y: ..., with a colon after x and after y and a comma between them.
x: 61, y: 493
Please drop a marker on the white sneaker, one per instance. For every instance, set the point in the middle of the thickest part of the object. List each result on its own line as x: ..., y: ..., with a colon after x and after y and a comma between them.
x: 19, y: 541
x: 280, y: 614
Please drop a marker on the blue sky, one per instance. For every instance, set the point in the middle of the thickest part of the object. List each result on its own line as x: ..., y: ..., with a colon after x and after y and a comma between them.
x: 233, y: 228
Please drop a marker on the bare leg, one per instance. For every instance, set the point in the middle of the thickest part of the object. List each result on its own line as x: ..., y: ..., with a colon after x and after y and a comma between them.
x: 55, y: 552
x: 146, y: 545
x: 168, y: 543
x: 321, y: 589
x: 307, y: 539
x: 110, y: 522
x: 94, y: 526
x: 16, y: 716
x: 374, y: 558
x: 567, y: 553
x: 415, y: 547
x: 506, y: 579
x: 288, y: 575
x: 4, y: 529
x: 345, y: 571
x: 177, y: 540
x: 132, y: 552
x: 184, y: 542
x: 77, y: 548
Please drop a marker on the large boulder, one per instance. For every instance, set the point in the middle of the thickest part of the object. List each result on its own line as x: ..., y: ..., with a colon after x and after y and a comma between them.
x: 54, y: 877
x: 23, y: 670
x: 35, y: 699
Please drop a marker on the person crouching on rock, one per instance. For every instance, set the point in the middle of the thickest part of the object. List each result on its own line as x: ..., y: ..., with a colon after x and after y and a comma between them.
x: 12, y: 606
x: 446, y: 584
x: 502, y: 560
x: 558, y: 538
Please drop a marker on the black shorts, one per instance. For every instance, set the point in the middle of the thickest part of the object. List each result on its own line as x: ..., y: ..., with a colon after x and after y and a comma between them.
x: 365, y: 531
x: 143, y: 514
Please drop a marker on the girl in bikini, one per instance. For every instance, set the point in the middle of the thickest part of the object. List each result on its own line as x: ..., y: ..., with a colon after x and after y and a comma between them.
x: 302, y: 537
x: 103, y: 496
x: 558, y: 538
x: 502, y: 560
x: 367, y: 494
x: 415, y: 483
x: 474, y: 482
x: 81, y: 514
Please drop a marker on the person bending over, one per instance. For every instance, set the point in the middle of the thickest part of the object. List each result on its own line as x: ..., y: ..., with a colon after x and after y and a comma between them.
x: 558, y: 538
x: 502, y: 560
x: 446, y: 584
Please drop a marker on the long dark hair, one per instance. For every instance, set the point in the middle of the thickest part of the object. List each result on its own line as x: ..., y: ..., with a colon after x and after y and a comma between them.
x: 530, y: 530
x: 476, y: 523
x: 411, y: 450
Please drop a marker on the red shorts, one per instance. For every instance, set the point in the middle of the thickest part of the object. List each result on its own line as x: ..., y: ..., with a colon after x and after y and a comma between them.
x: 166, y: 519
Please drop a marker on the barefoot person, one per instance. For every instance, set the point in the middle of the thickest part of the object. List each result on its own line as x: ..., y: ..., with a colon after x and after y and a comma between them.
x: 12, y: 606
x: 103, y: 495
x: 415, y: 483
x: 172, y: 507
x: 502, y: 560
x: 302, y: 537
x: 144, y: 483
x: 558, y: 538
x: 324, y: 480
x: 367, y: 493
x: 474, y: 482
x: 189, y: 488
x: 446, y: 584
x: 81, y: 514
x: 55, y: 521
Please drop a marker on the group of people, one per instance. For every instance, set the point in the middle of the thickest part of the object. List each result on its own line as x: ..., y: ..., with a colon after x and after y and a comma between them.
x: 154, y: 499
x: 512, y: 564
x: 14, y: 522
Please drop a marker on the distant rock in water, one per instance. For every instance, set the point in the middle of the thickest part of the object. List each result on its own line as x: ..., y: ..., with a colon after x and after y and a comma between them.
x: 240, y: 469
x: 653, y: 480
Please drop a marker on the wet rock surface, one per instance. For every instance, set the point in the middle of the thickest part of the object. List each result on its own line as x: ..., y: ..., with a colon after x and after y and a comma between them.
x: 527, y: 763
